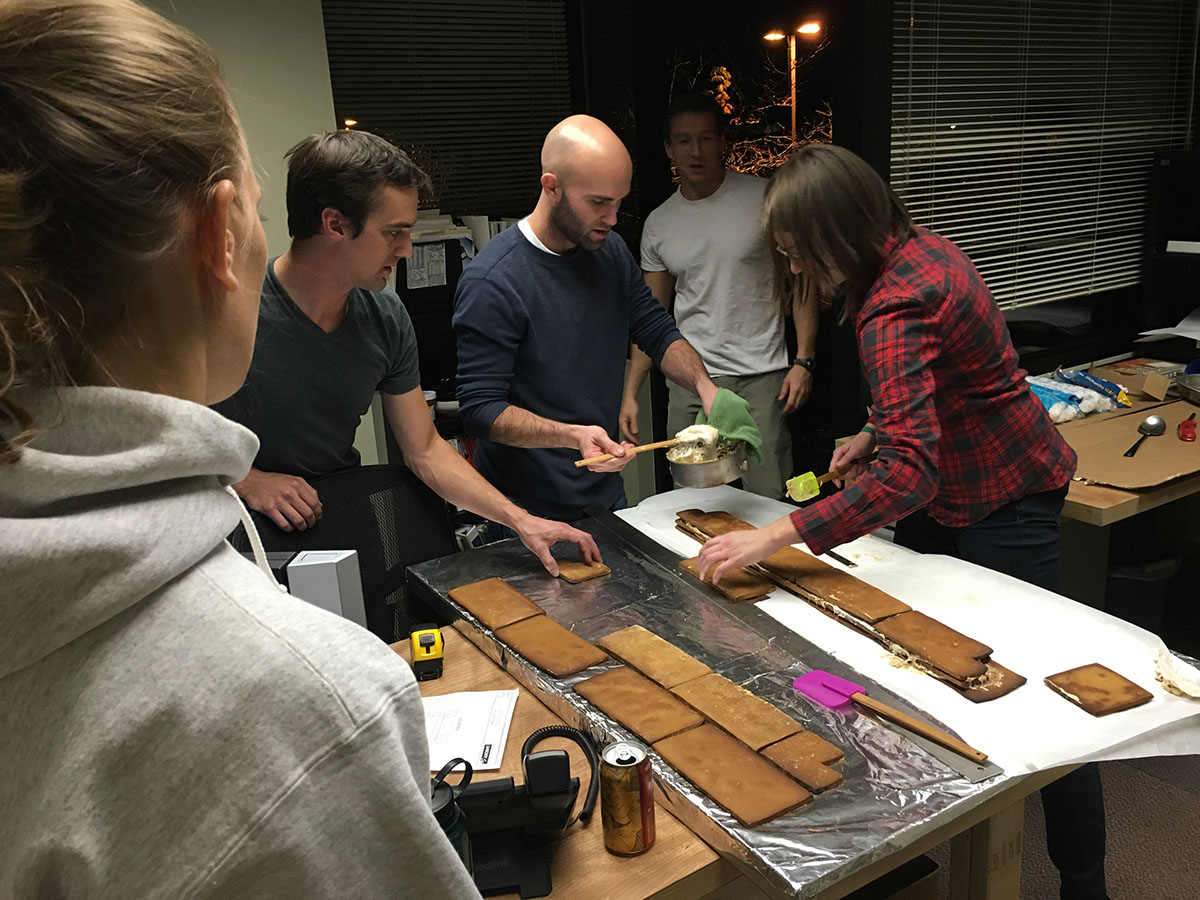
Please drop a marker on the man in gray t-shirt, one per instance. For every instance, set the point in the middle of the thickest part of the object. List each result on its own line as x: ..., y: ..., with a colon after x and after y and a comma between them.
x: 336, y: 373
x: 330, y: 335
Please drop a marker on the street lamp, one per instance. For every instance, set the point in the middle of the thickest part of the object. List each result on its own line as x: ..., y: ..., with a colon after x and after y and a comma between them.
x: 810, y: 30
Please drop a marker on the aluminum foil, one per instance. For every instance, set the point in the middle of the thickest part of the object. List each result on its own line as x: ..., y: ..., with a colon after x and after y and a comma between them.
x: 893, y: 790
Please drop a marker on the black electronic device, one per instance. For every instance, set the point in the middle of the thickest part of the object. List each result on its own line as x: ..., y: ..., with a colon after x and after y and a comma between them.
x: 512, y: 826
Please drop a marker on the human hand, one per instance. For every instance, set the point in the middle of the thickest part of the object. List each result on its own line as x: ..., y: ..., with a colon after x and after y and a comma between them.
x: 797, y: 385
x: 593, y: 440
x: 857, y: 448
x: 628, y: 419
x: 743, y: 548
x: 288, y: 500
x: 539, y: 535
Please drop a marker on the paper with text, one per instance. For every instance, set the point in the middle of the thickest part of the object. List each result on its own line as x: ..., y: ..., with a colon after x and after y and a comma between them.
x: 472, y: 725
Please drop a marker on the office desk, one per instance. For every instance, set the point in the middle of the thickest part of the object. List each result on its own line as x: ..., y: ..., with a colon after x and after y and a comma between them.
x: 678, y: 866
x: 985, y: 848
x: 1088, y: 515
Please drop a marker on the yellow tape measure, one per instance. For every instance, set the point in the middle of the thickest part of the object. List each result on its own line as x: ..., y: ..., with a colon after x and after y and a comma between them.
x: 426, y: 641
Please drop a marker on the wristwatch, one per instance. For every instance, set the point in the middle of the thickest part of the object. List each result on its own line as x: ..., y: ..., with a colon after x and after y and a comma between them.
x: 805, y: 362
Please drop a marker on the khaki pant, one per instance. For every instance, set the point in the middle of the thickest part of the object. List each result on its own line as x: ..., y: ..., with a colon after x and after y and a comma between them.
x: 768, y: 477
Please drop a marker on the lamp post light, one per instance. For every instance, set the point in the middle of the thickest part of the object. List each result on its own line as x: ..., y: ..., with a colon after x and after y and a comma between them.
x: 810, y: 30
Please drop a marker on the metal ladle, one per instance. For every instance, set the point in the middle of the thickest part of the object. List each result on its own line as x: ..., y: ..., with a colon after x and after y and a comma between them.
x: 1151, y: 425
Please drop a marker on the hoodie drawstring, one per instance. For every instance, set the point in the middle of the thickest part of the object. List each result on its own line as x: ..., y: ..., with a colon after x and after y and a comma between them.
x: 260, y: 555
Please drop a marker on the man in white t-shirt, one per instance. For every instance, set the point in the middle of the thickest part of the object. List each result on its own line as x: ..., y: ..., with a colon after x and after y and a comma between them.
x: 704, y: 252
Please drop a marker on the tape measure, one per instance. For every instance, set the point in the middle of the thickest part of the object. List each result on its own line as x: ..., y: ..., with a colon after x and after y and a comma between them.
x: 426, y: 641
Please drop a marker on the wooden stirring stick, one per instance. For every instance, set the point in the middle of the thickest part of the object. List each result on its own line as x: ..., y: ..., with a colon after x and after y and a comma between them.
x: 657, y: 445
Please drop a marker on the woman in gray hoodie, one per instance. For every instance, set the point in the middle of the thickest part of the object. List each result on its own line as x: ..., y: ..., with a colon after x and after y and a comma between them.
x: 171, y: 724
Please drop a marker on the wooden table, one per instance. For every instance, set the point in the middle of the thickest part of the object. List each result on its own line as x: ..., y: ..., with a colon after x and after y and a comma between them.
x: 678, y: 866
x: 985, y: 848
x: 1091, y: 510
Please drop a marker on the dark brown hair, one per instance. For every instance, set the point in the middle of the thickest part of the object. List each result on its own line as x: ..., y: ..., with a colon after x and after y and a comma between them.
x: 116, y: 122
x: 343, y: 170
x: 839, y: 214
x: 695, y: 102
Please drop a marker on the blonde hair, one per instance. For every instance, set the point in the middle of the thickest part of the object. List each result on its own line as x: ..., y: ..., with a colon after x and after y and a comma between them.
x: 116, y: 123
x: 839, y: 214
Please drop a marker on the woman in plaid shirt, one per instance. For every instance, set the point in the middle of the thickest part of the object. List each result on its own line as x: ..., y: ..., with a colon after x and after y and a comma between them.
x: 969, y: 463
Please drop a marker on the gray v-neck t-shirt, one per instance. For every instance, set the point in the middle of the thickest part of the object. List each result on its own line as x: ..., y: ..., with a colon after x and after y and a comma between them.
x: 307, y: 390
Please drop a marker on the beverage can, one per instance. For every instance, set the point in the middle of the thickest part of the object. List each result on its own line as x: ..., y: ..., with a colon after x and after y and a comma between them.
x: 627, y: 798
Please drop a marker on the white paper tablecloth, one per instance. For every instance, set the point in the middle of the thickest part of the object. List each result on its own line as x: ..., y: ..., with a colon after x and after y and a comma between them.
x: 1031, y: 631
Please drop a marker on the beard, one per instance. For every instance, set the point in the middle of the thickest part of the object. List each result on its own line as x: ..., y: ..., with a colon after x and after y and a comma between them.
x: 564, y: 220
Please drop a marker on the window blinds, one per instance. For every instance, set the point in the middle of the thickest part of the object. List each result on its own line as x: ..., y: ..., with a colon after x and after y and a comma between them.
x: 1024, y: 132
x: 468, y: 87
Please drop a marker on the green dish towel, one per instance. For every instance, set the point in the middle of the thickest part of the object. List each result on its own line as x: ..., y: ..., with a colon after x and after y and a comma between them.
x: 730, y: 415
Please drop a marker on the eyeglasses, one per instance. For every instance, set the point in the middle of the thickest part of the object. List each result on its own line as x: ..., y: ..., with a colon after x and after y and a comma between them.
x: 790, y: 254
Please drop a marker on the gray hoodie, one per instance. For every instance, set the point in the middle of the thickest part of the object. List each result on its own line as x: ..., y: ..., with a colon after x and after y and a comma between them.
x: 171, y: 724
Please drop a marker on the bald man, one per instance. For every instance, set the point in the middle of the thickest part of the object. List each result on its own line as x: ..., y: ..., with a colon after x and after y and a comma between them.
x: 544, y: 316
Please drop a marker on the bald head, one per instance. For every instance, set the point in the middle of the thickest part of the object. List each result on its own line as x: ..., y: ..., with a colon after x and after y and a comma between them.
x: 582, y: 143
x: 586, y: 172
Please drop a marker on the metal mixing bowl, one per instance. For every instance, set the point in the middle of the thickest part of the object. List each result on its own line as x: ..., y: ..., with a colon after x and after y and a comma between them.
x: 1189, y: 388
x: 710, y: 474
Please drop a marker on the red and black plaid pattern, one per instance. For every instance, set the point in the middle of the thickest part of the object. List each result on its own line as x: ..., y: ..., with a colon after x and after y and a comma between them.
x: 959, y: 431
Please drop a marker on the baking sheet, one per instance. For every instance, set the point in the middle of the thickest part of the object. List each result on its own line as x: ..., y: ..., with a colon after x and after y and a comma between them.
x: 1031, y: 631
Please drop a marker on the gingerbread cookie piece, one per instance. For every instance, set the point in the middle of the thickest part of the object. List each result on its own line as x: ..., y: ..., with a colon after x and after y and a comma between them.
x: 739, y: 585
x: 638, y: 703
x: 494, y: 603
x: 1098, y: 689
x: 807, y: 757
x: 574, y: 572
x: 750, y: 719
x: 551, y: 647
x: 732, y: 774
x: 660, y: 661
x: 940, y: 646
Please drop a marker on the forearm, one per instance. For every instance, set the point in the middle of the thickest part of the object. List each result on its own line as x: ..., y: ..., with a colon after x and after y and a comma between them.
x: 518, y: 427
x: 639, y: 367
x: 805, y: 317
x: 684, y: 367
x: 457, y: 482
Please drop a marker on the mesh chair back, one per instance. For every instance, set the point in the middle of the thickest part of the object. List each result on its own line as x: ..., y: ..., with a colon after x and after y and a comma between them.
x: 392, y: 519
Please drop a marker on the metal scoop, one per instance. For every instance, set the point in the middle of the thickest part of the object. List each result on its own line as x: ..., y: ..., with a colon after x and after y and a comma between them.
x: 1151, y: 426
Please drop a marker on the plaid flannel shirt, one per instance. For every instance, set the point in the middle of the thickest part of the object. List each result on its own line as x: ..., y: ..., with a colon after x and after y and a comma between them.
x: 958, y: 430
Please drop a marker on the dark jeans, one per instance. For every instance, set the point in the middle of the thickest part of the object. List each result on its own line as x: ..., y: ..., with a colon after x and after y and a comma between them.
x: 1021, y: 539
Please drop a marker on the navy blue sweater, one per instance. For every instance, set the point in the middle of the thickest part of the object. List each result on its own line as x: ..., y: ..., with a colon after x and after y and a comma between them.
x: 549, y: 334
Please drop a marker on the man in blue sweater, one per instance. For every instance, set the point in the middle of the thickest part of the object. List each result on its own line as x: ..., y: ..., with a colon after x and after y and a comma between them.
x: 544, y: 316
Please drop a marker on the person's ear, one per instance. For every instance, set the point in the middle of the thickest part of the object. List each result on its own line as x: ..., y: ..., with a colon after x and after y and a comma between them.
x: 549, y: 183
x: 217, y: 241
x: 333, y: 223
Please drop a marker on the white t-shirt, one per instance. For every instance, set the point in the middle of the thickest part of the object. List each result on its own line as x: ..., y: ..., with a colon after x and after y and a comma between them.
x: 721, y: 260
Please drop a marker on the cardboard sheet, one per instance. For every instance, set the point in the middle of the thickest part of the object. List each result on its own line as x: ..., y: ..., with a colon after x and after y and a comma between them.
x: 1101, y: 443
x: 1034, y: 632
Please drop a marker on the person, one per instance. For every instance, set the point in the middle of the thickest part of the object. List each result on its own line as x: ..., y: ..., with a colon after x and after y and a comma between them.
x: 705, y: 254
x: 175, y: 725
x: 969, y: 462
x: 331, y: 333
x: 543, y: 317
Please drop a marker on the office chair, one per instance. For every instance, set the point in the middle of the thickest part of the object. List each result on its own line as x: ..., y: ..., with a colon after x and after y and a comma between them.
x: 392, y: 519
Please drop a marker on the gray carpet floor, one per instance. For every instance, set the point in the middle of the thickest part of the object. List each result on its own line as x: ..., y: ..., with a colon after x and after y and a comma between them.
x: 1152, y: 807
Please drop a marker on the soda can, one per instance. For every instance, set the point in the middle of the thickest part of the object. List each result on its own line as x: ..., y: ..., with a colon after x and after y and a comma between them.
x: 627, y: 798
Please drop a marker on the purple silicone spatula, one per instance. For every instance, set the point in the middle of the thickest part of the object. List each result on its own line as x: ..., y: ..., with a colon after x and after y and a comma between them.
x: 834, y: 692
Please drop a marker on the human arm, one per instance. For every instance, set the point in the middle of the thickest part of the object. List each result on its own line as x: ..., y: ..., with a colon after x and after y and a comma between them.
x: 437, y: 464
x: 288, y: 500
x: 662, y: 286
x: 491, y: 326
x: 683, y: 366
x: 797, y: 383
